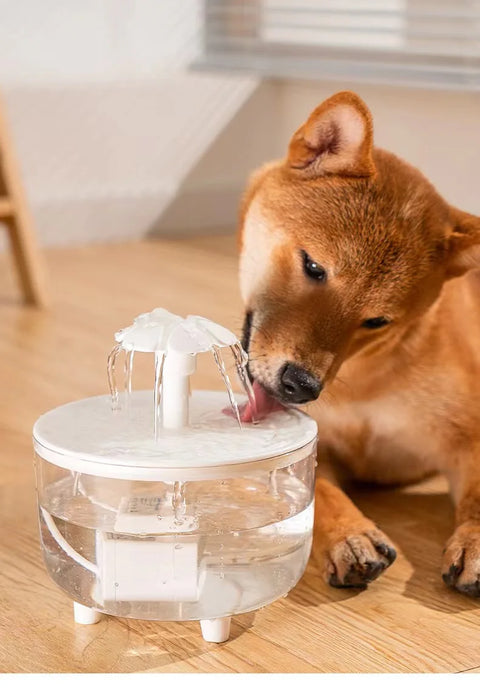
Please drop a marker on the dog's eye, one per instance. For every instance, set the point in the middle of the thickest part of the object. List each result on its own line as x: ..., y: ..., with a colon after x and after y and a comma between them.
x: 375, y: 323
x: 313, y: 269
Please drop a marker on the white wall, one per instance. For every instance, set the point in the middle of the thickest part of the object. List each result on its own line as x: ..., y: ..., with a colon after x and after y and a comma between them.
x: 209, y: 198
x: 106, y: 118
x: 115, y: 138
x: 84, y: 41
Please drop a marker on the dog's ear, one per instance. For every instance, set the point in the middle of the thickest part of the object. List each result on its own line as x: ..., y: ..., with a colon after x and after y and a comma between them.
x: 463, y: 243
x: 337, y: 139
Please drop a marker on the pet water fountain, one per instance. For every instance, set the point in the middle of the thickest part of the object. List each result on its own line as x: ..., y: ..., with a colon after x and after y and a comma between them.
x: 160, y: 505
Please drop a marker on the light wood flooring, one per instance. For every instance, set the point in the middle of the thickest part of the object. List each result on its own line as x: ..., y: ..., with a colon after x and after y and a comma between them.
x: 407, y: 621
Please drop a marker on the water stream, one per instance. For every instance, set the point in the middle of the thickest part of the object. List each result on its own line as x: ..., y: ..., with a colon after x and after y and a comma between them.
x: 159, y: 362
x: 223, y: 371
x: 241, y: 360
x: 128, y: 372
x: 112, y: 382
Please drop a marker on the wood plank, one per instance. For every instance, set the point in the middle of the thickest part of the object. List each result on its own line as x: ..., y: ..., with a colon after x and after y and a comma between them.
x: 407, y: 621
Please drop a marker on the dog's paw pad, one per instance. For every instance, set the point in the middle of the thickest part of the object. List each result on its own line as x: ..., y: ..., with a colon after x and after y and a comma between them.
x: 450, y: 577
x: 461, y: 560
x: 386, y: 551
x: 359, y: 559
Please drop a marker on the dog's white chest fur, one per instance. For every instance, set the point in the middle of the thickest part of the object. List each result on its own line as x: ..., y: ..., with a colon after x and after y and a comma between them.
x: 379, y: 437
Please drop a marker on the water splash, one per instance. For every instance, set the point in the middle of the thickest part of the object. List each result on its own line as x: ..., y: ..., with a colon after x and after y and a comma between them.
x: 241, y: 360
x: 112, y: 383
x: 223, y: 371
x: 159, y: 362
x: 178, y: 502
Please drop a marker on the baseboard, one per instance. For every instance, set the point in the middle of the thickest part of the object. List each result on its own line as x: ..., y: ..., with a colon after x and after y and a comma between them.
x: 97, y: 220
x: 75, y: 222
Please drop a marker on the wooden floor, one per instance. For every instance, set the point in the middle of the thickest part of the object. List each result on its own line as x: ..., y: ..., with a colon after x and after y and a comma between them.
x: 405, y: 622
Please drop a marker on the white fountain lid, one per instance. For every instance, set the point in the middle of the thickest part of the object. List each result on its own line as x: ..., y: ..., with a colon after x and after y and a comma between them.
x: 86, y: 436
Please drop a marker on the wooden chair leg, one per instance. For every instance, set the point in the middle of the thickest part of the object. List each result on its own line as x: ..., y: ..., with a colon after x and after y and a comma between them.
x: 26, y: 258
x: 16, y: 216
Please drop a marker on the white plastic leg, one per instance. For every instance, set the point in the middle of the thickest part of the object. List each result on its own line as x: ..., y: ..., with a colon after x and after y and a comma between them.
x: 85, y: 615
x: 216, y: 630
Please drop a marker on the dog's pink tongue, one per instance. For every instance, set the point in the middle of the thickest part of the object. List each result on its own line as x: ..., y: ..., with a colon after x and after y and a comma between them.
x: 264, y: 405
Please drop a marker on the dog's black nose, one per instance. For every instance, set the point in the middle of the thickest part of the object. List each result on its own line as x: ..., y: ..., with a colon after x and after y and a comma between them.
x: 298, y: 385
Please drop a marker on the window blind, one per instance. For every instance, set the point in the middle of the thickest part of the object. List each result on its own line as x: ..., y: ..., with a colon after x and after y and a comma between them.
x: 433, y: 43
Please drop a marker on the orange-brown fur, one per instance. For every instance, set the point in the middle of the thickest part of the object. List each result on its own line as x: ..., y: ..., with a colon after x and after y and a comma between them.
x: 399, y: 403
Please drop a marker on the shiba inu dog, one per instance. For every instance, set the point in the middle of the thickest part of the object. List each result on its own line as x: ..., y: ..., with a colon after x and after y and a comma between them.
x: 360, y: 287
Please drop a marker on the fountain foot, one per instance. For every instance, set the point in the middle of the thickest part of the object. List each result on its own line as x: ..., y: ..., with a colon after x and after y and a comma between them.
x: 85, y: 615
x: 216, y: 630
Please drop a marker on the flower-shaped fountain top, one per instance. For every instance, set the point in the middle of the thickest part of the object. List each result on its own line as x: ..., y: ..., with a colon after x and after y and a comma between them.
x: 175, y: 342
x: 161, y: 331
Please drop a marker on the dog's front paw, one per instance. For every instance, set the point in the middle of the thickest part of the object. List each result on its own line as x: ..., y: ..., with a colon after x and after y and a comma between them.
x: 359, y: 559
x: 461, y: 559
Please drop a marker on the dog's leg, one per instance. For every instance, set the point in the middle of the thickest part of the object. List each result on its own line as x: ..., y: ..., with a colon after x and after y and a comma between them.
x: 461, y: 557
x: 350, y: 550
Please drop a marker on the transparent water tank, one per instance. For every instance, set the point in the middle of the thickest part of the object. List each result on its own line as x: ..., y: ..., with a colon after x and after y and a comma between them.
x: 192, y: 533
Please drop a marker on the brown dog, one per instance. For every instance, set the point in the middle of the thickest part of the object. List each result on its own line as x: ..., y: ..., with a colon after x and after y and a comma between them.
x: 355, y: 276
